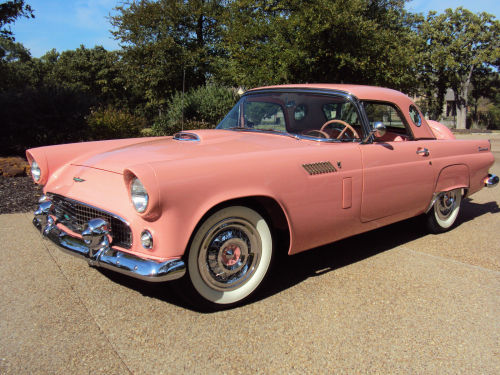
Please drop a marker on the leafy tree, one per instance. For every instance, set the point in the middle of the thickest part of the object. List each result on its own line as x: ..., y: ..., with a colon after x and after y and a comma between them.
x: 485, y: 87
x: 14, y: 65
x: 484, y: 100
x: 164, y: 41
x: 11, y: 53
x: 358, y: 41
x: 457, y: 46
x: 95, y: 71
x: 9, y: 12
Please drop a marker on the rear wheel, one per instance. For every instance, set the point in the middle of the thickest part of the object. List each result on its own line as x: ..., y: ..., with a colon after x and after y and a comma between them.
x: 444, y: 212
x: 229, y: 257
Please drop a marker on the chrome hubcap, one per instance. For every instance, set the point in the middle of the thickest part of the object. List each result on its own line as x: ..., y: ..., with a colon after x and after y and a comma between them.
x: 446, y: 203
x: 229, y: 255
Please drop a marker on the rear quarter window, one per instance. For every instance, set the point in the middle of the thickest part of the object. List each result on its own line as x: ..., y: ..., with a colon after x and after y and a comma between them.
x: 415, y: 116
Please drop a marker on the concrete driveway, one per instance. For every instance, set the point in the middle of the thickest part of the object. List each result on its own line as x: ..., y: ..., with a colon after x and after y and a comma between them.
x: 394, y: 300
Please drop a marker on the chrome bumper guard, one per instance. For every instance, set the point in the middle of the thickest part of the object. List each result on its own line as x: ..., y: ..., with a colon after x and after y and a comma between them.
x: 491, y: 181
x: 95, y: 248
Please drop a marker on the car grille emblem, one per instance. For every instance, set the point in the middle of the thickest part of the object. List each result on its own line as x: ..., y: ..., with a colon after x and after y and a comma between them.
x: 78, y: 179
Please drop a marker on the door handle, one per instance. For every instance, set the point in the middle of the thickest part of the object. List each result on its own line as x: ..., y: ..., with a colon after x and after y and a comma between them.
x: 423, y: 152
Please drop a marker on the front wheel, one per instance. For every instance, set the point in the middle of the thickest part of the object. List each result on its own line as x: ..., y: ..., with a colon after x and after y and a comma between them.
x: 444, y: 212
x: 229, y: 257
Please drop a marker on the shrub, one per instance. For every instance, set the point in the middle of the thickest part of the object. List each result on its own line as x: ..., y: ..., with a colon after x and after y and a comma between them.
x: 48, y: 115
x: 110, y: 123
x: 13, y: 167
x: 201, y: 108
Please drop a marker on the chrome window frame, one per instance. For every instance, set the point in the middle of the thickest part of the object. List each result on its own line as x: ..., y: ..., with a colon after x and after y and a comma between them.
x: 407, y: 126
x: 324, y: 92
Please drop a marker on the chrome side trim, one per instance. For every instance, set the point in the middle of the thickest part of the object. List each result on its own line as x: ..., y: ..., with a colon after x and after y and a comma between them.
x: 435, y: 196
x: 98, y: 253
x: 491, y: 180
x: 187, y: 137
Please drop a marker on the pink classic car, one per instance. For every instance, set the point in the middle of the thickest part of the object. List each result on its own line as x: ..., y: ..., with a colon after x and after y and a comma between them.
x: 288, y: 169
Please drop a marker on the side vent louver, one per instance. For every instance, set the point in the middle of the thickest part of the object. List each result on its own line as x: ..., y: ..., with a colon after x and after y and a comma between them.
x: 319, y: 168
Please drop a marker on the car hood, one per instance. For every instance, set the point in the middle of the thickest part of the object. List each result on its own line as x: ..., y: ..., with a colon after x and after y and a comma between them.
x: 209, y: 143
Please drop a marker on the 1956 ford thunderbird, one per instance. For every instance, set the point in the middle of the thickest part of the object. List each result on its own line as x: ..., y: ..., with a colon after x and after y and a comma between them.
x: 290, y: 167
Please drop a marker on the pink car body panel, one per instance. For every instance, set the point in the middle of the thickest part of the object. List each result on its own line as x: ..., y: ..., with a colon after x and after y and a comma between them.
x: 373, y: 184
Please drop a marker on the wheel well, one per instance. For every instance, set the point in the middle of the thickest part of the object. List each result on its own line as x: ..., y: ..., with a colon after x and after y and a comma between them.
x: 270, y: 210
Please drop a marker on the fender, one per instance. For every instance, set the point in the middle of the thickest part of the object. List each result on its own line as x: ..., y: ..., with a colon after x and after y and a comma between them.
x: 452, y: 177
x: 55, y: 157
x: 440, y: 131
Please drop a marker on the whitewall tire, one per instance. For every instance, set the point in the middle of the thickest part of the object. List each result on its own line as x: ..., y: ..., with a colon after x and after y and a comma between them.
x: 229, y: 256
x: 444, y: 212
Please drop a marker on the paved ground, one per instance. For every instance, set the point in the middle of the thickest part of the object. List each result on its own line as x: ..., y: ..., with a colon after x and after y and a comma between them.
x: 393, y: 300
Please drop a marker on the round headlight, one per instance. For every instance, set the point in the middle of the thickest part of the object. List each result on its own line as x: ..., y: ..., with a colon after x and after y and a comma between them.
x: 35, y: 171
x: 139, y: 195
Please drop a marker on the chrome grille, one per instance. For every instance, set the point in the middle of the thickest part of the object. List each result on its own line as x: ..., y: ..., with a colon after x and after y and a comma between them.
x: 75, y: 215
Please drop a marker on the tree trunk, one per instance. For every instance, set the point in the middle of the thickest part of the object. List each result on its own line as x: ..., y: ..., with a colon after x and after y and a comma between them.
x: 462, y: 101
x: 461, y: 115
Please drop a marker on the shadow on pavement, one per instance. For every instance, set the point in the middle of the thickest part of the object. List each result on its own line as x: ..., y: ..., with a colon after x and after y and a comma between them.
x: 288, y: 271
x: 470, y: 210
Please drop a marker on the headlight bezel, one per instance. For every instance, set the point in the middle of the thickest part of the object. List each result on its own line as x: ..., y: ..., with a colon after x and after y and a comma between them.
x: 138, y: 195
x: 36, y: 171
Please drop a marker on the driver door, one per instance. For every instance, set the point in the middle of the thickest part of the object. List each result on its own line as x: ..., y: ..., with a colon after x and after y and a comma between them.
x: 398, y: 177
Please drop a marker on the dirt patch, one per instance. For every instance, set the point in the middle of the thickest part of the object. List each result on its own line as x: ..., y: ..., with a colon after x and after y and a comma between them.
x: 18, y: 194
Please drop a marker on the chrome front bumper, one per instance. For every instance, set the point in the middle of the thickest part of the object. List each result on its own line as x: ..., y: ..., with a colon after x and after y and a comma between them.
x: 95, y: 248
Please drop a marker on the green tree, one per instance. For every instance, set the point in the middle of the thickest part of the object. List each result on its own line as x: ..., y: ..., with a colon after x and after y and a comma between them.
x: 357, y: 41
x: 14, y: 65
x: 11, y: 54
x: 9, y: 12
x: 457, y: 46
x: 485, y: 88
x: 163, y: 42
x: 94, y: 71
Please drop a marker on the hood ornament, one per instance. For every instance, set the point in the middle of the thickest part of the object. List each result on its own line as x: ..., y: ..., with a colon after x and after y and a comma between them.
x: 78, y: 179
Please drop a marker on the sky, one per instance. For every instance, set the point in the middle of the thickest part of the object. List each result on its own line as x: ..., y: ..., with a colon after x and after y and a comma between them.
x: 67, y: 24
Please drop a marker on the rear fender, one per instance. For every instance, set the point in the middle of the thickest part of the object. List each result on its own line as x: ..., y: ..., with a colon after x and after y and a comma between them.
x: 453, y: 177
x: 440, y: 131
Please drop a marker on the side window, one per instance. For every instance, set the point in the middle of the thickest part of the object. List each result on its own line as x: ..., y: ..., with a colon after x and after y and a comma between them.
x: 387, y: 114
x: 415, y: 115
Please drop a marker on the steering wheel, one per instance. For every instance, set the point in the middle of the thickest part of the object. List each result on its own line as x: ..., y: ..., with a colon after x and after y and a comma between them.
x: 342, y: 132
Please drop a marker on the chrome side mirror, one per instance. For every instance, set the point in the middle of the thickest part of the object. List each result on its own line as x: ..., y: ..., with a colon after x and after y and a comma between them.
x: 378, y: 131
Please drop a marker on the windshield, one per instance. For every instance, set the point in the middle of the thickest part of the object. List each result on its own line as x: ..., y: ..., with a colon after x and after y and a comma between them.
x: 303, y: 114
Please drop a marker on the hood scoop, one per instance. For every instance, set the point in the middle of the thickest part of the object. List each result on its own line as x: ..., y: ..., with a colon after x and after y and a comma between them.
x: 186, y: 137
